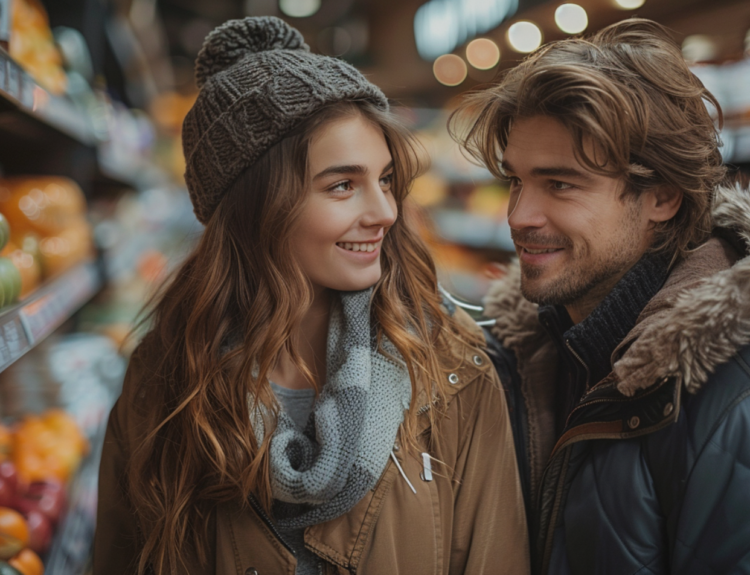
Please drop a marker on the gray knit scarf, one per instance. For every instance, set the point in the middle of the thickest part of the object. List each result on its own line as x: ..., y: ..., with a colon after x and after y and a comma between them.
x: 322, y: 472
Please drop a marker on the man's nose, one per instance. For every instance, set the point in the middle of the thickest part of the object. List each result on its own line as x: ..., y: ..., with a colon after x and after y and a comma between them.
x: 526, y: 209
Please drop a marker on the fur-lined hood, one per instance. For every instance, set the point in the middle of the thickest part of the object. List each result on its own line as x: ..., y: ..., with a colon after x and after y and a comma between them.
x: 699, y: 319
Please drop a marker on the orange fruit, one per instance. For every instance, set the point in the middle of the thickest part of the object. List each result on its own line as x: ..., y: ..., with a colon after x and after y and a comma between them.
x: 28, y: 563
x: 49, y: 446
x: 14, y: 533
x: 6, y: 438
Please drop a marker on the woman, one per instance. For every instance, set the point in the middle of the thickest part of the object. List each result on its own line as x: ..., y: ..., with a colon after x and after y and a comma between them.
x: 304, y: 403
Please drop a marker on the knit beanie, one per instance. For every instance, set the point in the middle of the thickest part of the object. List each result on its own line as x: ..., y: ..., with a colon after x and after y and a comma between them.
x: 258, y: 80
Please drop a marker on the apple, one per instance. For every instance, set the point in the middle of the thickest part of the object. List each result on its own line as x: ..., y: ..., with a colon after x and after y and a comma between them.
x: 40, y: 531
x: 8, y: 484
x: 47, y: 497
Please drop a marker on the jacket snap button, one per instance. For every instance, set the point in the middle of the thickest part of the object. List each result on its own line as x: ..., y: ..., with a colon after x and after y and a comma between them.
x: 478, y: 360
x: 634, y: 422
x: 669, y: 408
x: 453, y: 378
x: 251, y: 571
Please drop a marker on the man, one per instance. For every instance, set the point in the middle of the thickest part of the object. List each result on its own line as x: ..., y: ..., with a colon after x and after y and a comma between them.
x: 622, y: 334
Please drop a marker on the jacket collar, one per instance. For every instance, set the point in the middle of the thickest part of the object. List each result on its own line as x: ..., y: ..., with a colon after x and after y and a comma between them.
x: 697, y: 321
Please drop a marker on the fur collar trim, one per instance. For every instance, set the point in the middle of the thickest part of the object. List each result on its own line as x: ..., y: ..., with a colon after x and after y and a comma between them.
x: 693, y: 325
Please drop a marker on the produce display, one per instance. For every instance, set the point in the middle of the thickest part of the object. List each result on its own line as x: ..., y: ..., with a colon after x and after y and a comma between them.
x: 38, y: 456
x: 49, y: 231
x: 33, y: 47
x: 10, y: 275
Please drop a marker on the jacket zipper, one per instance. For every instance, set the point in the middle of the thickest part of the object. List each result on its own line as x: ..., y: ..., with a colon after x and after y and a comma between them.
x: 548, y: 540
x: 578, y: 357
x: 267, y: 520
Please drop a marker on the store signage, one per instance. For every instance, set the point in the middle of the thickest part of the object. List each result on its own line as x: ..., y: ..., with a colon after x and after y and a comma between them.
x: 441, y: 25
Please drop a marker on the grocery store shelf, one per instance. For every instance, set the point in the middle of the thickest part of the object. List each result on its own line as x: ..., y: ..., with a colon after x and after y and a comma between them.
x: 26, y: 324
x: 19, y: 91
x: 137, y: 175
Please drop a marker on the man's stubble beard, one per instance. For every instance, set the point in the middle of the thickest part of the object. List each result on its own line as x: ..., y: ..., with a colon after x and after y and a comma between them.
x: 586, y: 281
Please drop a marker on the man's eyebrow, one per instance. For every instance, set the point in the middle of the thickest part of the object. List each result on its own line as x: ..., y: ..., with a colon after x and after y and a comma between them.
x: 354, y: 169
x: 561, y: 171
x: 551, y: 171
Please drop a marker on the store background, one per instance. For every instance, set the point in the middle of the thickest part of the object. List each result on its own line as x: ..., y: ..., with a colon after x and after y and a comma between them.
x: 92, y: 96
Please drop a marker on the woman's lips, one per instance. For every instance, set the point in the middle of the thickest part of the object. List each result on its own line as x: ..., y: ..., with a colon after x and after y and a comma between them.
x: 359, y: 246
x: 361, y: 251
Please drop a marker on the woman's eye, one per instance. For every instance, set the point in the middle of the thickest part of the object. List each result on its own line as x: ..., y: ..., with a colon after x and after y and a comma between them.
x: 386, y: 181
x: 513, y: 181
x: 560, y: 185
x: 345, y: 186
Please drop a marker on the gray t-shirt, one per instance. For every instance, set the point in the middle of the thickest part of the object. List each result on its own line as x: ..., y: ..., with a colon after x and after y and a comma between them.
x: 298, y: 403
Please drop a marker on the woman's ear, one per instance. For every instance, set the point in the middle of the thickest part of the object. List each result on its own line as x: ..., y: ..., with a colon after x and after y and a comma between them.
x: 662, y: 203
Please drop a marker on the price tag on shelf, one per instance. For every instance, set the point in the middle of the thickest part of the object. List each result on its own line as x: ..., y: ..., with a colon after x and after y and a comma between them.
x: 45, y: 314
x: 13, y: 343
x: 27, y: 90
x: 13, y: 81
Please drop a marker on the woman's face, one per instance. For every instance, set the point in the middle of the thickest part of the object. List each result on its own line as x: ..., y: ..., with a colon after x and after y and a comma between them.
x: 350, y: 206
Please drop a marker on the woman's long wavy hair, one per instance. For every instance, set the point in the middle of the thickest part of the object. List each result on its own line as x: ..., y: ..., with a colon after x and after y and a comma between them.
x: 221, y: 323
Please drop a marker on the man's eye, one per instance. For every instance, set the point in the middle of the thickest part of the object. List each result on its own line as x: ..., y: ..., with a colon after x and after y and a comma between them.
x: 513, y: 181
x: 561, y: 185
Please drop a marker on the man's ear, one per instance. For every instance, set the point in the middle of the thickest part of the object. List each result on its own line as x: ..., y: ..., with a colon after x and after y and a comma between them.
x: 662, y: 202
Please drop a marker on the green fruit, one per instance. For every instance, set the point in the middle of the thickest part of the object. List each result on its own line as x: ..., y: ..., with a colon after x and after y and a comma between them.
x: 4, y: 300
x: 4, y: 231
x: 6, y: 569
x: 10, y: 281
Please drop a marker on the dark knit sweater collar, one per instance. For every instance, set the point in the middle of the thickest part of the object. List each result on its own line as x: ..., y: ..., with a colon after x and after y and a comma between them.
x: 595, y: 338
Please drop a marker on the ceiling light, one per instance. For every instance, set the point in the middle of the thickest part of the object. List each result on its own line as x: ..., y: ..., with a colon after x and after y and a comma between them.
x: 299, y: 8
x: 483, y: 53
x: 524, y: 36
x: 630, y: 4
x: 450, y: 70
x: 571, y: 18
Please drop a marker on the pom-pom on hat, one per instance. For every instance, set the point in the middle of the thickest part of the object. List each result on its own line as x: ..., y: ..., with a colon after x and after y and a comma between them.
x: 258, y: 80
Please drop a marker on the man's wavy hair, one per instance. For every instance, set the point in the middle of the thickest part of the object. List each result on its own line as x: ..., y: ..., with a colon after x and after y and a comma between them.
x: 628, y: 90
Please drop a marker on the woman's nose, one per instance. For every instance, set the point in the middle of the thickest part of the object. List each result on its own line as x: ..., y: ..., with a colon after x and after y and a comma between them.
x: 380, y: 209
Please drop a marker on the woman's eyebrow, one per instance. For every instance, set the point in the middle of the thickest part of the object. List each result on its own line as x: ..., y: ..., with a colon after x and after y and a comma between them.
x: 387, y: 168
x: 353, y: 169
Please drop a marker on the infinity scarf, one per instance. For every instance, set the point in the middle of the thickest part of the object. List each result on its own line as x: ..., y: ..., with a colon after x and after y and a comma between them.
x: 320, y: 473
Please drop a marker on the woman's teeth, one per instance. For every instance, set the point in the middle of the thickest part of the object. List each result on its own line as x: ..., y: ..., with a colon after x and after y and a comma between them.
x: 547, y: 251
x: 364, y: 247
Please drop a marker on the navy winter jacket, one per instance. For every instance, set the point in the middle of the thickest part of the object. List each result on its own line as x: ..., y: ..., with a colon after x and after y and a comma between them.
x: 651, y: 471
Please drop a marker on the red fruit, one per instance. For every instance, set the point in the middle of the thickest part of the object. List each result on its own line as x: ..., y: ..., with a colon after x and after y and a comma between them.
x: 47, y: 497
x: 40, y: 531
x: 9, y: 474
x: 8, y: 484
x: 7, y: 493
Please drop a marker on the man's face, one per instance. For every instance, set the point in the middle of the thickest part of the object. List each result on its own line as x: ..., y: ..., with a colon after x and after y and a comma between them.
x: 574, y: 234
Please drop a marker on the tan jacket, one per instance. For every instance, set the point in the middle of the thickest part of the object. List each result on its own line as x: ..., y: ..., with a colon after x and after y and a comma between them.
x: 469, y: 519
